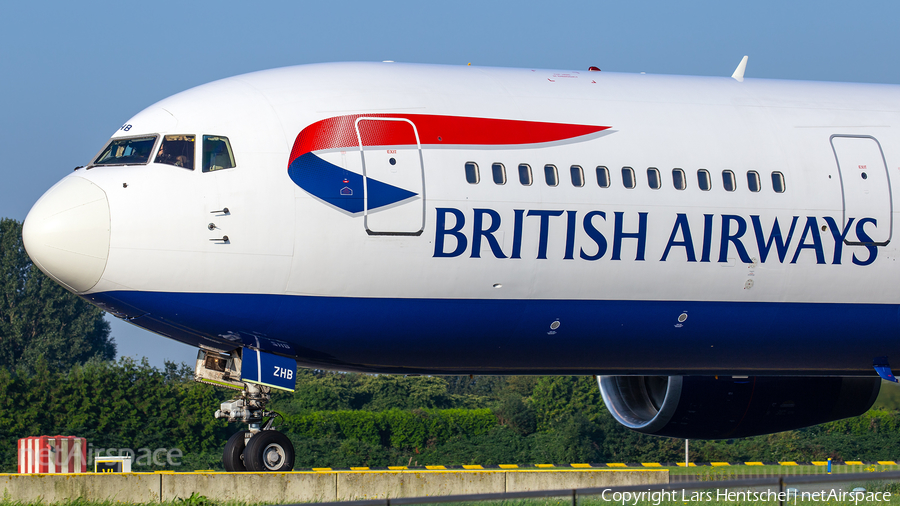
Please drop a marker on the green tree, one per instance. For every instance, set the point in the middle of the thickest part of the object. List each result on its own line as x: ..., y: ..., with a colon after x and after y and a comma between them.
x: 323, y: 391
x: 513, y: 412
x: 573, y: 440
x: 405, y: 392
x: 121, y: 404
x: 478, y: 386
x: 557, y: 398
x: 522, y: 385
x: 39, y: 319
x: 889, y: 396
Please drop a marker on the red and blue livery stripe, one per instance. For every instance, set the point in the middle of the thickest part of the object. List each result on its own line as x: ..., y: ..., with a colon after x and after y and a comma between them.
x: 343, y: 188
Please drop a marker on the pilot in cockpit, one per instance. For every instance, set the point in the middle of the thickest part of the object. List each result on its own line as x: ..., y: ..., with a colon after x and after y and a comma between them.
x: 177, y: 150
x: 163, y: 157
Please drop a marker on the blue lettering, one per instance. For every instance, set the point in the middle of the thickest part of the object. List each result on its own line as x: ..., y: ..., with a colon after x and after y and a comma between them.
x: 545, y: 230
x: 681, y: 223
x: 811, y: 226
x: 640, y: 235
x: 517, y: 233
x: 441, y: 231
x: 838, y: 237
x: 479, y: 232
x: 707, y: 237
x: 735, y: 239
x: 775, y: 236
x: 868, y: 242
x: 594, y: 234
x: 570, y: 235
x: 733, y: 229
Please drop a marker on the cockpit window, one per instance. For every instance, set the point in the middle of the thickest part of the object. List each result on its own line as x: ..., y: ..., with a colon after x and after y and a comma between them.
x: 217, y: 153
x: 177, y: 150
x: 132, y: 151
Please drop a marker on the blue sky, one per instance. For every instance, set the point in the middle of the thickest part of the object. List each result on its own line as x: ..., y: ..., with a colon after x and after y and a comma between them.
x: 71, y: 73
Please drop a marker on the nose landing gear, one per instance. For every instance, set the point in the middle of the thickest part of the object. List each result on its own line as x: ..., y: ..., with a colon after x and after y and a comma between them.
x: 260, y: 448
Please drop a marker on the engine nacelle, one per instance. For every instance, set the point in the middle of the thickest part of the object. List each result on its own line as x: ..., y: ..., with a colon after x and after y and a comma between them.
x: 723, y: 407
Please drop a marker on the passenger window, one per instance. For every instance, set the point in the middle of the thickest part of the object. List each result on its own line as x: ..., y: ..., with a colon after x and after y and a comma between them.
x: 132, y: 151
x: 550, y: 175
x: 217, y: 153
x: 525, y: 174
x: 628, y: 177
x: 653, y: 178
x: 177, y: 150
x: 778, y: 182
x: 728, y: 180
x: 499, y: 172
x: 753, y: 181
x: 472, y: 175
x: 678, y: 179
x: 577, y: 175
x: 703, y: 180
x: 602, y: 177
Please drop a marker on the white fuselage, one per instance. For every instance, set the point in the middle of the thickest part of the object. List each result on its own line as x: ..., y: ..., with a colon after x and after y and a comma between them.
x: 655, y: 280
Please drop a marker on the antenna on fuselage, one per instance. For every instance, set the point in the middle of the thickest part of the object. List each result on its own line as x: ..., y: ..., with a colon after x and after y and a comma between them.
x: 739, y: 71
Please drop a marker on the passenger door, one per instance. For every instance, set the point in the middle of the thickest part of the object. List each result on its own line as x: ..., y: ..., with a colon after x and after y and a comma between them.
x: 393, y: 176
x: 865, y: 184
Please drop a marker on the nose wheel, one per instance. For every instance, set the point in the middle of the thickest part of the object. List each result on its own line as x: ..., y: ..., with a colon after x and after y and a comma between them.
x: 233, y: 456
x: 269, y: 451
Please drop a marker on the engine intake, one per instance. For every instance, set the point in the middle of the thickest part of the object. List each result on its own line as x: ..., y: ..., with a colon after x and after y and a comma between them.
x: 723, y: 407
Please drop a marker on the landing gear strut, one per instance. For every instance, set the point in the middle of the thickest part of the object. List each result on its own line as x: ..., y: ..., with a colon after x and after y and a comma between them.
x: 260, y: 448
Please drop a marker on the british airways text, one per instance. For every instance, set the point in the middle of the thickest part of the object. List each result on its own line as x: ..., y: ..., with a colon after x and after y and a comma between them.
x: 785, y: 240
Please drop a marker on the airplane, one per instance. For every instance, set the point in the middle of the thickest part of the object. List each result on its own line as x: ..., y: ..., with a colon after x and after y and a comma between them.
x: 717, y: 251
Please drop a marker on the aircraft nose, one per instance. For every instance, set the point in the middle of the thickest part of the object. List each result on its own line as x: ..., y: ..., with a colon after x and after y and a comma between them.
x: 66, y: 233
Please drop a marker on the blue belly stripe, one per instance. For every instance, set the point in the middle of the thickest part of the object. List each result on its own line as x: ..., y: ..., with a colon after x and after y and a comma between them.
x: 476, y: 336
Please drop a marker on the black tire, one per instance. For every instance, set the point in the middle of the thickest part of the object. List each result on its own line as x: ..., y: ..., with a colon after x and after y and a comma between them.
x: 269, y: 451
x: 233, y: 456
